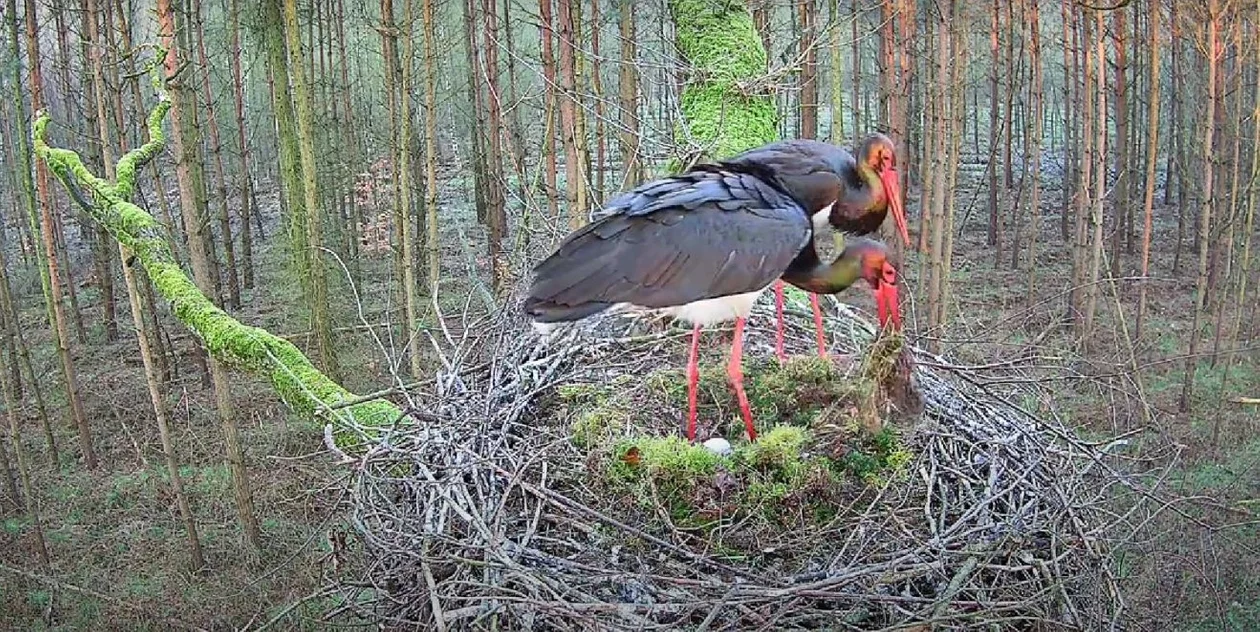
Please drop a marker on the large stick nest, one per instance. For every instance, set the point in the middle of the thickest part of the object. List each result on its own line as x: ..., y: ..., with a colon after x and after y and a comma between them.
x: 486, y: 514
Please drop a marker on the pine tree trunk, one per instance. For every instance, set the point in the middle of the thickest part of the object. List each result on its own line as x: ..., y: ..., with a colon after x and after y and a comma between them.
x: 220, y: 175
x: 547, y: 35
x: 1121, y: 206
x: 31, y: 501
x: 994, y: 130
x: 496, y: 210
x: 321, y: 325
x: 809, y: 70
x: 411, y: 301
x: 1248, y: 229
x: 1152, y: 159
x: 1205, y: 211
x: 1034, y: 205
x: 628, y: 93
x: 286, y: 132
x: 573, y: 177
x: 837, y: 76
x: 52, y: 262
x: 1220, y: 291
x: 1099, y: 170
x: 184, y: 168
x: 433, y: 254
x: 246, y: 181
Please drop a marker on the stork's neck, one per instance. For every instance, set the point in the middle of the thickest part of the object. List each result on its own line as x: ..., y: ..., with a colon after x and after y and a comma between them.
x: 871, y: 195
x: 831, y: 278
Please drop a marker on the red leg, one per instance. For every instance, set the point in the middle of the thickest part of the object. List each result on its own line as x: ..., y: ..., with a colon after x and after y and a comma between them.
x: 778, y: 313
x: 693, y: 382
x: 818, y: 325
x: 737, y: 378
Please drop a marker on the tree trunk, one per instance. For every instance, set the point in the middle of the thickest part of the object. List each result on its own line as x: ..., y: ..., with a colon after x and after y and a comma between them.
x: 1225, y: 271
x: 28, y: 206
x: 220, y: 175
x: 719, y: 113
x: 573, y: 176
x: 286, y: 132
x: 496, y: 210
x: 628, y: 92
x: 547, y: 35
x: 837, y: 76
x: 809, y: 70
x: 1152, y: 158
x: 320, y: 319
x: 246, y: 182
x: 1099, y: 169
x: 1205, y: 212
x: 411, y: 302
x: 61, y: 337
x: 31, y: 501
x: 994, y: 130
x: 184, y: 167
x: 430, y: 149
x: 1121, y: 206
x: 1034, y: 205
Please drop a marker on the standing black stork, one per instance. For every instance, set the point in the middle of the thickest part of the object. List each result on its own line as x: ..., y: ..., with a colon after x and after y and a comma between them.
x: 853, y: 196
x: 702, y: 246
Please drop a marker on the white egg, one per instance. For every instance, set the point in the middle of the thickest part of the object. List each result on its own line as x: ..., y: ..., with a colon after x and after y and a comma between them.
x: 718, y: 445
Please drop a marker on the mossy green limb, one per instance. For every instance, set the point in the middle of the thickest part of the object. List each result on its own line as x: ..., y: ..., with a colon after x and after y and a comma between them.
x: 301, y: 386
x: 724, y: 110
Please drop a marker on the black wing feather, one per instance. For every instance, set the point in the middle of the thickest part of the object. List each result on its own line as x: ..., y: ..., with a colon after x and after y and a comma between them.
x: 698, y: 235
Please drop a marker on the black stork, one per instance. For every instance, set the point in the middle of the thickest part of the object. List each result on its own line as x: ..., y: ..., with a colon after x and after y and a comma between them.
x: 701, y: 246
x: 853, y: 196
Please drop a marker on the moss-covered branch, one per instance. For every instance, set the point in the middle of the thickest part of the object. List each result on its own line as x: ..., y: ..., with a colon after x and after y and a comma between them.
x: 302, y: 387
x: 723, y: 109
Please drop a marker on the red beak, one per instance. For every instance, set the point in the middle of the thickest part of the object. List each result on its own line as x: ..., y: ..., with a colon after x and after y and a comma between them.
x: 892, y: 188
x: 886, y: 302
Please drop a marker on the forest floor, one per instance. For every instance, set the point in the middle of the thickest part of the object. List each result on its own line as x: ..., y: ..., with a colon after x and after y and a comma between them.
x: 118, y: 549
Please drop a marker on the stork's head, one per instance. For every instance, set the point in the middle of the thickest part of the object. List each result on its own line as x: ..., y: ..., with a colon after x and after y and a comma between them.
x: 873, y: 258
x: 879, y: 154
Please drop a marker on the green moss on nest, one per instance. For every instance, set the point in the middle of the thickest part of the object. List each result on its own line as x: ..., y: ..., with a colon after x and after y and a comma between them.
x: 812, y: 454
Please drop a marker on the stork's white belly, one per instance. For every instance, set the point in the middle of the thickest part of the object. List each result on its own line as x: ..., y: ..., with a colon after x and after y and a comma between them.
x: 711, y: 311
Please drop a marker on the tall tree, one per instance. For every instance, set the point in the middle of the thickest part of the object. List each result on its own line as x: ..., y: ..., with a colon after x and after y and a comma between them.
x: 496, y: 211
x: 1152, y: 158
x: 185, y: 163
x: 1121, y: 143
x: 430, y: 150
x: 550, y: 90
x: 245, y: 185
x: 321, y: 324
x: 808, y: 12
x: 575, y: 181
x: 411, y: 303
x: 228, y: 269
x: 837, y: 74
x: 1214, y: 51
x: 1034, y: 205
x: 628, y: 93
x: 52, y: 261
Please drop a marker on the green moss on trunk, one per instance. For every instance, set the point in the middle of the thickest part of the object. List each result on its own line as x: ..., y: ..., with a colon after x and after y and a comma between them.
x: 302, y: 387
x: 726, y: 108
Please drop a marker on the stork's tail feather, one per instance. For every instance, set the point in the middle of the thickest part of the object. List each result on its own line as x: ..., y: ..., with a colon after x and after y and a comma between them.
x: 542, y: 311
